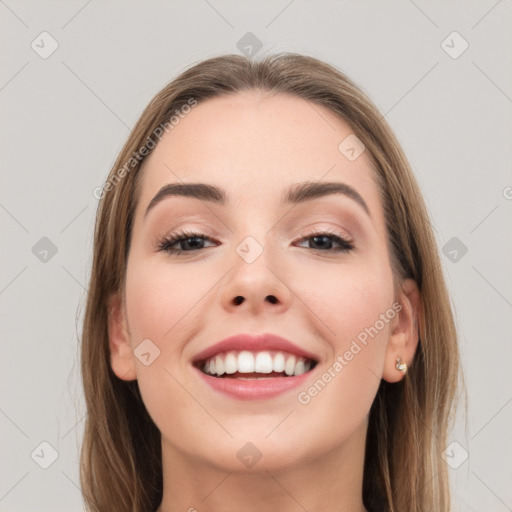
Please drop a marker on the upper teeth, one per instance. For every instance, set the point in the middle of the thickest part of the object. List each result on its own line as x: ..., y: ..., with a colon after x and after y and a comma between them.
x: 259, y: 362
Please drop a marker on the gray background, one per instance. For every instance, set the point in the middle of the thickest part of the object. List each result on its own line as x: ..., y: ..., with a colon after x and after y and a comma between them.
x: 65, y: 117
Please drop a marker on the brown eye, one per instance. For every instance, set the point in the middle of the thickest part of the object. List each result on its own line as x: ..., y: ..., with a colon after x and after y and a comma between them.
x: 327, y: 242
x: 185, y: 242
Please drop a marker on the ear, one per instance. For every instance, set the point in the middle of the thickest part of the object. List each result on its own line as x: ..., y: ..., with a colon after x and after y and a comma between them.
x: 121, y: 353
x: 404, y: 336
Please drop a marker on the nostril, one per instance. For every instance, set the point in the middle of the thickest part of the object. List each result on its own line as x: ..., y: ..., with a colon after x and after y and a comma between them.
x: 272, y: 299
x: 238, y: 300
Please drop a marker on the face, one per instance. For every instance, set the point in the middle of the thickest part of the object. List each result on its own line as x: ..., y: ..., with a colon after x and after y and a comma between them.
x: 315, y: 272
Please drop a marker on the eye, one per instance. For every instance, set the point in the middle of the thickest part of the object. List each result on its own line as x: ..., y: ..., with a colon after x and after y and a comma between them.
x: 186, y: 240
x: 325, y: 241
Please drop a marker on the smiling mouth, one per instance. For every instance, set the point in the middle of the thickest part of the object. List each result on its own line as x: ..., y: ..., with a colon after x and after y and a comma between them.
x: 247, y: 365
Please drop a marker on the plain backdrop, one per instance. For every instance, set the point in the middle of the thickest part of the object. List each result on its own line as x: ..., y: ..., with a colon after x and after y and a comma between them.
x: 75, y: 76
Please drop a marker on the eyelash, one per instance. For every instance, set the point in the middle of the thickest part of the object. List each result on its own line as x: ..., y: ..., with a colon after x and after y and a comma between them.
x: 167, y: 243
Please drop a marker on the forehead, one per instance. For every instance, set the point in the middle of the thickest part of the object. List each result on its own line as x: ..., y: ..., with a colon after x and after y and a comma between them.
x: 254, y: 144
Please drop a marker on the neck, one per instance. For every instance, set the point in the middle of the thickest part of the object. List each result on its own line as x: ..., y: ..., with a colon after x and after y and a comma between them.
x: 331, y: 482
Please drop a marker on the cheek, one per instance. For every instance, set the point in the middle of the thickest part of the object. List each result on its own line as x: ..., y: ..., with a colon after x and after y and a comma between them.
x: 165, y: 304
x: 355, y: 308
x: 159, y: 300
x: 158, y: 307
x: 348, y: 300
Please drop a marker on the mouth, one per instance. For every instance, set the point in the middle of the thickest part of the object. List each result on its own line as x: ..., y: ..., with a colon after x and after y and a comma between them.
x: 257, y: 365
x: 254, y: 366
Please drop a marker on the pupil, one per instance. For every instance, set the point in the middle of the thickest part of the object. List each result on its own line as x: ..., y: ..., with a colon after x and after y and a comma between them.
x: 195, y: 241
x: 321, y: 237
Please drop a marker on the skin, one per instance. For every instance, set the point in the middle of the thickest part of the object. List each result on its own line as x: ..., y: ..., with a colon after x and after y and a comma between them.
x: 312, y: 454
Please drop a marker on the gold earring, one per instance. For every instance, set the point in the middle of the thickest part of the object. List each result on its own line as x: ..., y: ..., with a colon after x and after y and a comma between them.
x: 401, y: 366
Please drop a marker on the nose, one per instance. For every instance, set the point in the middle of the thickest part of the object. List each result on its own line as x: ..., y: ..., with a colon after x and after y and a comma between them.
x: 257, y: 282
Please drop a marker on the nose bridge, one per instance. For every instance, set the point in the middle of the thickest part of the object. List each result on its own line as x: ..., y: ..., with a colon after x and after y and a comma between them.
x: 256, y: 245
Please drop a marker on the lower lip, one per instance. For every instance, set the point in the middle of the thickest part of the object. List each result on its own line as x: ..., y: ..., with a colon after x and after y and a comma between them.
x: 254, y: 389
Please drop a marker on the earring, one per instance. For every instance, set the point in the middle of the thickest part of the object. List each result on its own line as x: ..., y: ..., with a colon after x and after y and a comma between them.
x: 402, y: 367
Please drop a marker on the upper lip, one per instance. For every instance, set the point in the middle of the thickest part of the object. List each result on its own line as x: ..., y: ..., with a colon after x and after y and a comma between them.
x: 254, y: 343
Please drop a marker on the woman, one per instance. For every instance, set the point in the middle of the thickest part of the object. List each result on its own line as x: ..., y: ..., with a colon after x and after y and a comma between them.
x: 267, y: 325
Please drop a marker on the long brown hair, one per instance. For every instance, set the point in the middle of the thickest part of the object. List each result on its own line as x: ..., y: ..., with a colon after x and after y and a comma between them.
x: 121, y: 463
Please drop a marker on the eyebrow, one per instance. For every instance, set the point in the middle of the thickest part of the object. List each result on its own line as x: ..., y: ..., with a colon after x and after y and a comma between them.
x: 296, y: 194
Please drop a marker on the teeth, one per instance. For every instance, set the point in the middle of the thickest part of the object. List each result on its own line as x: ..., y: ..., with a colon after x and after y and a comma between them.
x: 263, y: 363
x: 231, y: 363
x: 245, y: 362
x: 219, y: 365
x: 300, y: 368
x: 258, y: 362
x: 289, y: 367
x: 279, y: 362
